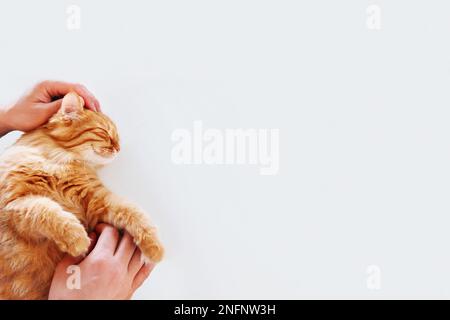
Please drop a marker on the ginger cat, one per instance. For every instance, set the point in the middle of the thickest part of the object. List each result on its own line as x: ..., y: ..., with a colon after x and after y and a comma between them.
x: 50, y: 196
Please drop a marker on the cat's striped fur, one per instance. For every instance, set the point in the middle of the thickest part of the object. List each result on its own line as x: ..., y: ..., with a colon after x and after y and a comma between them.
x: 50, y: 196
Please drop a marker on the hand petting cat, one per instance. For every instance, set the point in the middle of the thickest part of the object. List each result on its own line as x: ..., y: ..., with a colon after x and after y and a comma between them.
x: 51, y: 198
x: 113, y: 269
x: 36, y: 107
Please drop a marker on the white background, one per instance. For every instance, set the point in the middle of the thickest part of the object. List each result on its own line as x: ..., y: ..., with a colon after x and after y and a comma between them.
x: 364, y: 128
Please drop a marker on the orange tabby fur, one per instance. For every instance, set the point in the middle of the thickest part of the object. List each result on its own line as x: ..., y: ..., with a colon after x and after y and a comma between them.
x: 50, y: 196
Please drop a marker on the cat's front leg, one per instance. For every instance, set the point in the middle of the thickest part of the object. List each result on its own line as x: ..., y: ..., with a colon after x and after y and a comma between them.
x: 131, y: 218
x: 36, y: 218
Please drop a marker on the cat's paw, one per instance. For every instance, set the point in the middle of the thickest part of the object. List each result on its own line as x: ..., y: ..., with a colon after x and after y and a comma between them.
x: 75, y: 240
x: 151, y: 247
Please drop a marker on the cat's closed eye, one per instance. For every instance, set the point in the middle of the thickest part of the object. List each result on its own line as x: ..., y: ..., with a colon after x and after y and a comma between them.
x: 103, y: 135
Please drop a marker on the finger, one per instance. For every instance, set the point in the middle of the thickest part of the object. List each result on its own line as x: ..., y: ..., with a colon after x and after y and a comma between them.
x: 93, y: 237
x: 107, y: 239
x: 136, y: 263
x: 100, y: 227
x: 142, y: 275
x: 60, y: 89
x: 126, y: 248
x: 91, y: 101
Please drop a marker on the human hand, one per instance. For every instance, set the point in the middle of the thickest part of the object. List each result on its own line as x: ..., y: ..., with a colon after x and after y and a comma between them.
x: 37, y: 106
x: 113, y: 270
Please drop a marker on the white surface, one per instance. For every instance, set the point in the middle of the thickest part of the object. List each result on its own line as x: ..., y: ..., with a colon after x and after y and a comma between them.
x: 364, y: 129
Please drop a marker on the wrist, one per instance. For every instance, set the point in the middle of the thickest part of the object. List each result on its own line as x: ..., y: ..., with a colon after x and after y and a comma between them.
x: 4, y: 123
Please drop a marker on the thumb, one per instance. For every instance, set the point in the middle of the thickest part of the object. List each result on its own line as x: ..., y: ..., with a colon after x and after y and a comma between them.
x: 52, y: 107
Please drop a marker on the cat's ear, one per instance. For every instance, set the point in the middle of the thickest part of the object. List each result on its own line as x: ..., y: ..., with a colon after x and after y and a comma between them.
x: 72, y: 103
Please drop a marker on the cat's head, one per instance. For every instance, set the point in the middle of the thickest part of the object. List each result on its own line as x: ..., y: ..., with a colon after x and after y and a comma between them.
x: 90, y: 136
